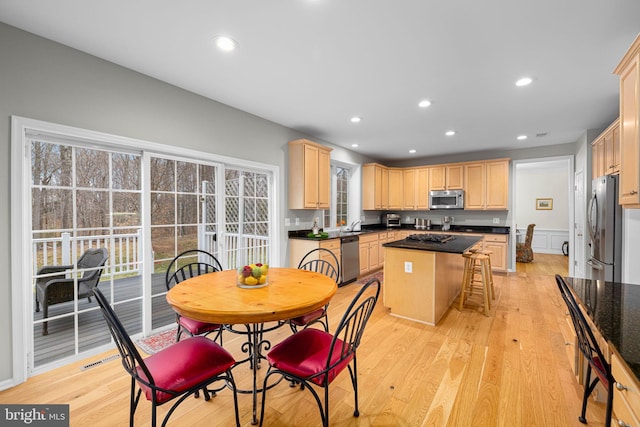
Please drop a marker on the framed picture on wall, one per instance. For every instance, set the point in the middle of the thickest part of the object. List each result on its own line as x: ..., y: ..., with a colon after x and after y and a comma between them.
x: 544, y: 204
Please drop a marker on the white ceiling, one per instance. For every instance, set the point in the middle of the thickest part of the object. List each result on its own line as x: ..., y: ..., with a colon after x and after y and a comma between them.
x: 312, y: 64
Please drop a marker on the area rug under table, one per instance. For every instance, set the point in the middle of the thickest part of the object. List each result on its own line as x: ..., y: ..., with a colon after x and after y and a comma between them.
x: 156, y: 342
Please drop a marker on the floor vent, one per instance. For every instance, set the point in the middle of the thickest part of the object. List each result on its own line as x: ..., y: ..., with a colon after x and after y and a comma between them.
x: 100, y: 362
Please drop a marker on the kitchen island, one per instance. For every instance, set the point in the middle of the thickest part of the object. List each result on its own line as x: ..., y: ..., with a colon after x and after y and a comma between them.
x: 423, y: 275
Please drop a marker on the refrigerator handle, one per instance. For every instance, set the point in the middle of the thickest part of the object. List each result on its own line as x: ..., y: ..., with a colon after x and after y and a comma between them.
x: 595, y: 264
x: 590, y: 220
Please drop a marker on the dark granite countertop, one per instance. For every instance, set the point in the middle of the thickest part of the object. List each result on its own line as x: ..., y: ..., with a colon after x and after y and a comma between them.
x: 457, y: 245
x: 374, y: 228
x: 615, y: 310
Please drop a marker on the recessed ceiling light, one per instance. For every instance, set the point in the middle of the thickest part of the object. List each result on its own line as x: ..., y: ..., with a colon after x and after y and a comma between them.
x: 225, y: 43
x: 424, y: 103
x: 524, y: 81
x: 412, y: 151
x: 450, y: 132
x: 355, y: 145
x: 522, y: 137
x: 355, y: 119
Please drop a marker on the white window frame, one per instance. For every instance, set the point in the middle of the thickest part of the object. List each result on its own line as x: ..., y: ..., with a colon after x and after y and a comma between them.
x: 21, y: 298
x: 355, y: 194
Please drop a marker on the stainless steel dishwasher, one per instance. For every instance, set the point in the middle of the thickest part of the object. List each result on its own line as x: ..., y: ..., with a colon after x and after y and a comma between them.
x: 350, y: 262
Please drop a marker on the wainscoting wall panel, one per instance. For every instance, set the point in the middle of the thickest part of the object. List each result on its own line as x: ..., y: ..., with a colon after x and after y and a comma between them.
x: 547, y: 241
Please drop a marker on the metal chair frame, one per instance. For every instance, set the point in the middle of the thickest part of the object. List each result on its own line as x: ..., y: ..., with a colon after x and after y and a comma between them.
x: 135, y: 365
x: 312, y: 262
x: 345, y: 342
x: 589, y: 347
x: 187, y: 271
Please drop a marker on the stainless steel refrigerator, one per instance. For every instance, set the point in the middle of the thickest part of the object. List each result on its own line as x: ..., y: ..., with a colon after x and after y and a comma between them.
x: 604, y: 221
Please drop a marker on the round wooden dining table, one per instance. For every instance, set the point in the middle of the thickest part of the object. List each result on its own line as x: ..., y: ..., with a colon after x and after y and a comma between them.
x: 215, y: 298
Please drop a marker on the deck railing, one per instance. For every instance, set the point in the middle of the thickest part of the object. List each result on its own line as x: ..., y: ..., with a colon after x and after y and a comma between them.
x: 125, y: 250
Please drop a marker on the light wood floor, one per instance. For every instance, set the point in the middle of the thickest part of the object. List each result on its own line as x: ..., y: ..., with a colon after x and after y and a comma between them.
x: 509, y: 369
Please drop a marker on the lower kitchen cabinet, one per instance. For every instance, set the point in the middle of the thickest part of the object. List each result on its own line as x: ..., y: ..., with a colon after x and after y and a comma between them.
x: 497, y: 243
x: 369, y: 252
x: 298, y: 248
x: 626, y: 395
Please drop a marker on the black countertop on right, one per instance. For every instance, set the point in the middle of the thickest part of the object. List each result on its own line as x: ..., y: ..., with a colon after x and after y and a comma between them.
x: 615, y: 310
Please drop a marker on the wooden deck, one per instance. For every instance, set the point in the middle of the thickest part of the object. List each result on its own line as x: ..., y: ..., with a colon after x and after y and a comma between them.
x: 92, y: 330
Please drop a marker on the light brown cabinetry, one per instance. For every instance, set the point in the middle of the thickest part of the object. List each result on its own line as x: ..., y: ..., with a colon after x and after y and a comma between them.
x: 629, y: 72
x: 597, y: 158
x: 605, y: 151
x: 497, y: 243
x: 416, y: 189
x: 369, y: 252
x: 486, y: 185
x: 395, y: 188
x: 309, y: 175
x: 298, y: 248
x: 626, y: 394
x: 375, y: 187
x: 446, y: 177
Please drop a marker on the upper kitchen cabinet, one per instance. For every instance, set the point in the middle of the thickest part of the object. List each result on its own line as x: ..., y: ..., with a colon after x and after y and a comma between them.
x: 446, y: 177
x: 309, y: 175
x: 605, y: 149
x: 416, y: 188
x: 629, y: 72
x: 486, y: 185
x: 375, y: 187
x: 395, y: 188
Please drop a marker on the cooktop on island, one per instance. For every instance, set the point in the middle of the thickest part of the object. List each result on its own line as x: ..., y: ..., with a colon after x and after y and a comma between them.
x: 436, y: 238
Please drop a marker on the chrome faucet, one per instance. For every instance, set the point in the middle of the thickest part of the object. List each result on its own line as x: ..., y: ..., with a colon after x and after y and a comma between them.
x: 353, y: 224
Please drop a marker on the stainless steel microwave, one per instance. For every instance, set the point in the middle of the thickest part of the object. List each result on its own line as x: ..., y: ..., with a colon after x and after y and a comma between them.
x: 450, y: 199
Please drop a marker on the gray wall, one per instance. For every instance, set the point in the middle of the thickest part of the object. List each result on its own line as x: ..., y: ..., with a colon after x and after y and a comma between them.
x: 44, y: 80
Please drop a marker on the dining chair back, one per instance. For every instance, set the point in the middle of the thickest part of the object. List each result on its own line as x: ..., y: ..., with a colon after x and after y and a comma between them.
x: 323, y: 261
x: 313, y: 357
x: 590, y: 349
x: 175, y: 372
x: 186, y: 265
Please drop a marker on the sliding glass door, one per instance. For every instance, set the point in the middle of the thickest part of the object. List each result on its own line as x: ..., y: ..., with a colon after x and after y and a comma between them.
x: 144, y: 207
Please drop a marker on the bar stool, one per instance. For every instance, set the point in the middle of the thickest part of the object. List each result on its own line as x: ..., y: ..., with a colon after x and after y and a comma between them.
x: 473, y: 260
x: 478, y: 271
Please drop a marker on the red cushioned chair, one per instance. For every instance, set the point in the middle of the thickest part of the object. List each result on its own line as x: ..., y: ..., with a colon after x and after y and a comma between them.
x: 591, y: 350
x: 173, y: 373
x: 190, y: 264
x: 314, y: 357
x: 312, y: 261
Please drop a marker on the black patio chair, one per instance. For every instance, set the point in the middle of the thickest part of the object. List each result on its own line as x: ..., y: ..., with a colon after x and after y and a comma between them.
x: 59, y: 288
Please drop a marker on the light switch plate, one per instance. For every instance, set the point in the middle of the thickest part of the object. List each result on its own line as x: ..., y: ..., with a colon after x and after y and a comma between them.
x: 496, y: 220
